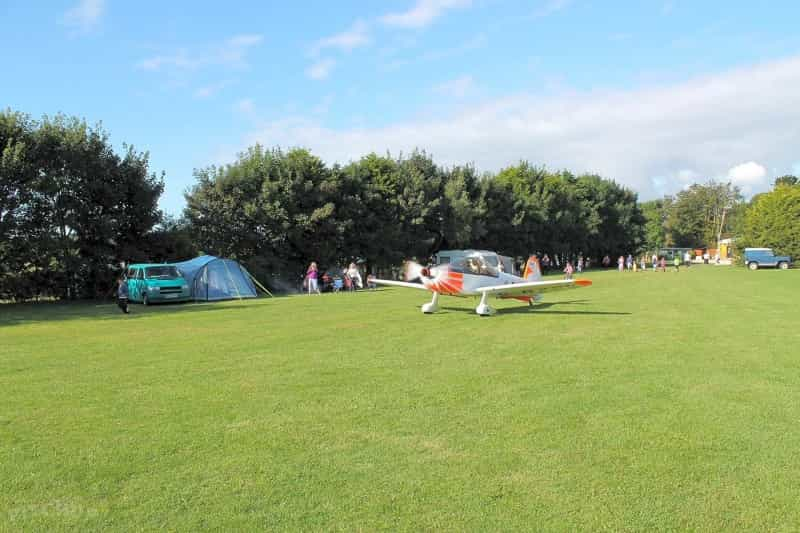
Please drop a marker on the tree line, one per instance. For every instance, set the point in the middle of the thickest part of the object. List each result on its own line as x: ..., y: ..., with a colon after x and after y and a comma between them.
x: 73, y: 211
x: 702, y: 214
x: 277, y: 210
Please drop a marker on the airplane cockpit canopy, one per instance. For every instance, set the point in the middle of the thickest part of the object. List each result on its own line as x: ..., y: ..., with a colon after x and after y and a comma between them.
x: 475, y: 264
x: 457, y: 258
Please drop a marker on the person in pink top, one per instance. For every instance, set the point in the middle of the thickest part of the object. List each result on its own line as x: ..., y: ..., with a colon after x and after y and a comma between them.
x: 568, y: 270
x: 311, y: 278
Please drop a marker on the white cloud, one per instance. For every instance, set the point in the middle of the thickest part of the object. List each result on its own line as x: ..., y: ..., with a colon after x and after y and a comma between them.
x: 423, y: 13
x: 231, y: 53
x: 85, y: 16
x: 179, y: 60
x: 457, y: 88
x: 321, y: 69
x: 356, y: 36
x: 750, y: 173
x: 549, y: 7
x: 638, y: 137
x: 473, y: 43
x: 245, y: 106
x: 211, y: 90
x: 324, y: 105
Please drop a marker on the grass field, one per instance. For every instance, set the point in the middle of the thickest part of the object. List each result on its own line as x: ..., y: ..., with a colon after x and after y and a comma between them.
x: 648, y: 401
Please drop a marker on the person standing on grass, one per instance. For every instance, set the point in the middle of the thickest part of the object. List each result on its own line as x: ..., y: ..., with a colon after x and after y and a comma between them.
x: 677, y: 263
x: 580, y: 264
x: 311, y: 278
x: 643, y: 263
x: 354, y: 275
x: 122, y: 295
x: 629, y: 262
x: 568, y: 270
x: 655, y: 262
x: 663, y: 263
x: 621, y: 263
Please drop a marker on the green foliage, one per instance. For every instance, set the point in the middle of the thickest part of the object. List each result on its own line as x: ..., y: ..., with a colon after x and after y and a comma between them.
x: 277, y: 211
x: 788, y: 179
x: 699, y: 215
x: 773, y: 220
x: 655, y: 213
x: 70, y: 208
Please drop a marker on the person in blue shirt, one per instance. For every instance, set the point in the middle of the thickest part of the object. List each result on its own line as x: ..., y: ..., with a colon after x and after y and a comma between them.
x: 122, y: 295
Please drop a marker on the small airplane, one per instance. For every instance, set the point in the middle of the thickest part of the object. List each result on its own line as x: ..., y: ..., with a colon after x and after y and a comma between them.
x: 472, y: 273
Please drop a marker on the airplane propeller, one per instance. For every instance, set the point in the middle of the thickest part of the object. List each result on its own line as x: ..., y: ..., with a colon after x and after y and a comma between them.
x: 415, y: 271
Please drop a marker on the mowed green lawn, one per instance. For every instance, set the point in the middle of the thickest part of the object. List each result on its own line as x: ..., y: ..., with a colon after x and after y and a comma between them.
x: 648, y: 401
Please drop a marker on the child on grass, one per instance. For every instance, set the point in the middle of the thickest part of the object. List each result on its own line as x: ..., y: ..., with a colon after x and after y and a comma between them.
x: 568, y: 270
x: 311, y: 278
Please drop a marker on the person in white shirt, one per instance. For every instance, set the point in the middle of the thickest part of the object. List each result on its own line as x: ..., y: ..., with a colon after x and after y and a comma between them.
x: 354, y: 275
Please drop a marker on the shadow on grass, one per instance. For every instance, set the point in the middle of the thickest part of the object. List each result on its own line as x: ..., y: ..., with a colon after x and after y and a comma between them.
x: 33, y: 313
x: 542, y: 309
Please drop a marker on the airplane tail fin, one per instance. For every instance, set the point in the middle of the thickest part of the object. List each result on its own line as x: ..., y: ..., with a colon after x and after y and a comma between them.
x: 533, y: 271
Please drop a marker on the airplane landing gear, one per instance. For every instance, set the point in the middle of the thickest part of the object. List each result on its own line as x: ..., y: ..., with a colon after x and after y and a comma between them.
x: 483, y: 308
x: 432, y: 306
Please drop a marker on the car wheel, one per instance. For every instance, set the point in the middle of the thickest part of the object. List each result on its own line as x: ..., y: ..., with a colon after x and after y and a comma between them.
x: 752, y: 266
x: 145, y: 300
x: 783, y: 265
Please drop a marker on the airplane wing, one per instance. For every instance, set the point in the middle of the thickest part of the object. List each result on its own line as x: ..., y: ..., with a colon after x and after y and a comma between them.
x: 531, y: 288
x: 400, y: 284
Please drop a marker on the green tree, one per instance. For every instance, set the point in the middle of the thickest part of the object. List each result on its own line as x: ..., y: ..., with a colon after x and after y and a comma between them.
x: 788, y: 179
x: 699, y: 214
x: 655, y: 214
x: 71, y: 210
x: 773, y: 220
x: 463, y: 208
x: 612, y: 217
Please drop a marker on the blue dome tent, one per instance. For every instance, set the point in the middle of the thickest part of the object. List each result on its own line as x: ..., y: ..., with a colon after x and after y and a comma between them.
x: 214, y: 278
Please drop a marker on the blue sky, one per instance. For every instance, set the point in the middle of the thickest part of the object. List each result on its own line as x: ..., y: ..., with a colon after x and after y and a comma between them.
x: 655, y: 94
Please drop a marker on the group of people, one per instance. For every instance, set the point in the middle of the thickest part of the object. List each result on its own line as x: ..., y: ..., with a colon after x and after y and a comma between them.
x: 577, y: 265
x: 351, y: 275
x: 632, y: 264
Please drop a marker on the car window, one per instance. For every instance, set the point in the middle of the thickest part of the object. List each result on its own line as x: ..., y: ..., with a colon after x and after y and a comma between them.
x: 139, y: 272
x: 162, y: 272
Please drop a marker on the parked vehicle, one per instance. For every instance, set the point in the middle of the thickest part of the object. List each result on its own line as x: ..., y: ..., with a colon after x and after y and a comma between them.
x: 755, y: 258
x: 156, y: 283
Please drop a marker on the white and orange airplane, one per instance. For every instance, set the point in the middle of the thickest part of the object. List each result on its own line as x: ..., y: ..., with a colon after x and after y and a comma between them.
x: 472, y: 273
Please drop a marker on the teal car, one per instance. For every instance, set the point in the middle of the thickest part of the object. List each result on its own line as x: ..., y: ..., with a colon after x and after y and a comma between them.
x: 156, y: 283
